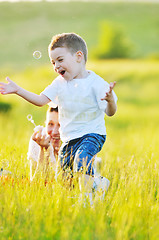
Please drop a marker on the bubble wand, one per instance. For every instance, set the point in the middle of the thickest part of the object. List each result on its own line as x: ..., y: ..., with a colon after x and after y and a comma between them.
x: 30, y: 119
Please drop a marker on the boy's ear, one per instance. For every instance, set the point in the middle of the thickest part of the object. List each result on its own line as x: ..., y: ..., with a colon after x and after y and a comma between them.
x: 79, y: 55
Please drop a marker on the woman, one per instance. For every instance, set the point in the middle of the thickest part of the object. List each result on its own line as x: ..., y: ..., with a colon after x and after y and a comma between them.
x: 44, y: 144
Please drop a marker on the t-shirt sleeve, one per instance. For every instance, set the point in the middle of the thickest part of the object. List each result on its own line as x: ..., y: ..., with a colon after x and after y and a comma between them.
x: 52, y: 156
x: 33, y: 150
x: 101, y: 88
x: 52, y: 91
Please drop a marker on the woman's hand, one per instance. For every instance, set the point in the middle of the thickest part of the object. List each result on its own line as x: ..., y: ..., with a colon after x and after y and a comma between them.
x: 40, y: 137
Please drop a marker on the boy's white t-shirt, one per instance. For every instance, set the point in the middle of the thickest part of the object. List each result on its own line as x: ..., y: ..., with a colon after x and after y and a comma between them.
x: 81, y: 110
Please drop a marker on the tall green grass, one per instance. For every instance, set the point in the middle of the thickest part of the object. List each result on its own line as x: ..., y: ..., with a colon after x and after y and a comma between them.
x: 35, y: 210
x: 130, y: 156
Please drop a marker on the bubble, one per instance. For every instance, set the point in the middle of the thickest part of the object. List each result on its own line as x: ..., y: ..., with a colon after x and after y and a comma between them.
x: 37, y: 54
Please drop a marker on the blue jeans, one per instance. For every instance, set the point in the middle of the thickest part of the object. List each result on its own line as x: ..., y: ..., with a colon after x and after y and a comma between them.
x: 78, y: 153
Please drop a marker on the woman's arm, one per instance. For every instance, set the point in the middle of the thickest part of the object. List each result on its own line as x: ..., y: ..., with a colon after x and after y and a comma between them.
x: 41, y: 164
x: 39, y: 152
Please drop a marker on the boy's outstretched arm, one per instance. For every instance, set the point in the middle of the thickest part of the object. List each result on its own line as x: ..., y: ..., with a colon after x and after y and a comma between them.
x: 13, y: 88
x: 111, y: 106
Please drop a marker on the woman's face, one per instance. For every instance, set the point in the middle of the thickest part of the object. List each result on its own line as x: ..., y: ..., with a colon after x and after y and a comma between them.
x: 52, y: 127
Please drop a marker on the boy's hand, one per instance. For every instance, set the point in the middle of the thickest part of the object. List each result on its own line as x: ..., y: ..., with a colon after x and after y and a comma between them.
x: 109, y: 96
x: 8, y: 88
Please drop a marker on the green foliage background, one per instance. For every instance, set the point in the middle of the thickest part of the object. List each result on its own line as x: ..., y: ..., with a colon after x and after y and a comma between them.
x: 130, y: 155
x: 113, y: 43
x: 26, y: 26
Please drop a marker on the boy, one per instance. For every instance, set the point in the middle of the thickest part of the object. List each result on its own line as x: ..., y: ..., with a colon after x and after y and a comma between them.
x: 82, y: 97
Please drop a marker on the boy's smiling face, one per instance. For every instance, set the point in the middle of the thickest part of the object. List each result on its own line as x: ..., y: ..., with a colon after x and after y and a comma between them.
x: 66, y: 63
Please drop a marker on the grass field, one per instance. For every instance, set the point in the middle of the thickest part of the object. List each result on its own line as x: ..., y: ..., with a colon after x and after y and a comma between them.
x: 129, y: 160
x: 130, y: 156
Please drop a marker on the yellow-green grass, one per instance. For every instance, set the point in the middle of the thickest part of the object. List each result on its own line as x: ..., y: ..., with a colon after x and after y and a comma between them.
x: 130, y: 160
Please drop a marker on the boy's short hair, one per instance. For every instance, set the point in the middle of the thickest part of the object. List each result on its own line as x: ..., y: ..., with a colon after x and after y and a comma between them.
x: 72, y: 41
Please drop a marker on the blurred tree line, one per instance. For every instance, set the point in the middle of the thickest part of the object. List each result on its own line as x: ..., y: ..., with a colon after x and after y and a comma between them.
x: 112, y: 43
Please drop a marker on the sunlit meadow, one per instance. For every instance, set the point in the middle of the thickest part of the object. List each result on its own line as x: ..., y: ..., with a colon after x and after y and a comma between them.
x: 130, y: 158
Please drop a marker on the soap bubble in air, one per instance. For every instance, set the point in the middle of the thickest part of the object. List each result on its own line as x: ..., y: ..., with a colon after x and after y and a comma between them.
x: 37, y: 54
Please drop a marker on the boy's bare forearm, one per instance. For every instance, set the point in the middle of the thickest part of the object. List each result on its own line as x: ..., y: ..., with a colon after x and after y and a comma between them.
x: 111, y: 108
x: 12, y: 88
x: 111, y: 104
x: 38, y: 100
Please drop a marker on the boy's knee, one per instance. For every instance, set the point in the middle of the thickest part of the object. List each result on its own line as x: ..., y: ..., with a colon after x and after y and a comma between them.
x: 84, y: 165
